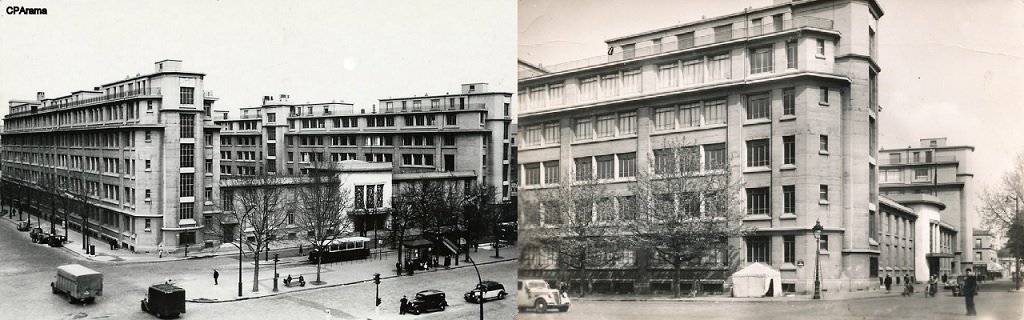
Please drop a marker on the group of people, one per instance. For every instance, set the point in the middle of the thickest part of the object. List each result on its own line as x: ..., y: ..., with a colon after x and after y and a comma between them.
x: 969, y: 287
x: 425, y: 264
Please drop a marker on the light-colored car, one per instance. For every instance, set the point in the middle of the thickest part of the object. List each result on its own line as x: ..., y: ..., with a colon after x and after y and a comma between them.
x: 535, y: 293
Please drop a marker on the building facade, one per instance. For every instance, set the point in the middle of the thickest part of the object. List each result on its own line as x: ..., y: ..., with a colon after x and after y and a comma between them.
x: 786, y: 93
x: 986, y: 257
x: 142, y: 149
x: 945, y: 173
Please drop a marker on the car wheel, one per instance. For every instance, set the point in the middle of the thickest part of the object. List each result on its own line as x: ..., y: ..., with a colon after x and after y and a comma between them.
x: 143, y: 303
x: 540, y: 306
x: 442, y: 307
x: 53, y: 288
x: 71, y: 299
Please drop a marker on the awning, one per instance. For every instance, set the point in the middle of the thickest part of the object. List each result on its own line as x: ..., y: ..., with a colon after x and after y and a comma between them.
x: 418, y: 243
x: 449, y: 245
x: 992, y: 266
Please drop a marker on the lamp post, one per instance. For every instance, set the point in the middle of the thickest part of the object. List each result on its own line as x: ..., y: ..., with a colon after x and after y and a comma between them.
x: 239, y: 226
x: 817, y: 262
x: 275, y: 272
x: 1016, y: 224
x: 480, y: 285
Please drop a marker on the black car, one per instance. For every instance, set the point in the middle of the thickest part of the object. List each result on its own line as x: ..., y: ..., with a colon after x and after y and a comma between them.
x: 491, y: 291
x: 36, y: 234
x: 56, y: 240
x: 427, y: 300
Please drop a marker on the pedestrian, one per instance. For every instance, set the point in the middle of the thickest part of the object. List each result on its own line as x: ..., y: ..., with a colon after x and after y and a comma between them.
x: 405, y: 304
x: 398, y: 268
x: 447, y: 261
x: 970, y: 289
x: 215, y: 276
x: 944, y: 278
x: 888, y: 282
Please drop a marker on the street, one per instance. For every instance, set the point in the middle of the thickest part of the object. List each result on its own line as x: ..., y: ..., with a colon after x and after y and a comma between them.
x: 993, y: 302
x: 28, y: 269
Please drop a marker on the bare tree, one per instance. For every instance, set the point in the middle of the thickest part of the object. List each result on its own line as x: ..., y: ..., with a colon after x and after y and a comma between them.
x: 478, y: 215
x: 79, y: 193
x: 685, y: 209
x: 1000, y: 210
x: 401, y: 221
x: 586, y: 232
x: 323, y: 204
x: 259, y: 202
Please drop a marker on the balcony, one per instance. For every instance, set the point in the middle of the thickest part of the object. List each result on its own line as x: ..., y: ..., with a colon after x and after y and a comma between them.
x: 441, y: 107
x: 686, y: 44
x: 55, y: 105
x: 889, y: 161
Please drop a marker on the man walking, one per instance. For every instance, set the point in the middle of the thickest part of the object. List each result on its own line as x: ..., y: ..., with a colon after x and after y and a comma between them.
x: 888, y: 282
x: 970, y: 289
x: 405, y: 303
x: 215, y: 276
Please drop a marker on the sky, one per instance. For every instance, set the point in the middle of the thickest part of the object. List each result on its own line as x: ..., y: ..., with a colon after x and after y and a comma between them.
x: 950, y: 68
x: 316, y: 51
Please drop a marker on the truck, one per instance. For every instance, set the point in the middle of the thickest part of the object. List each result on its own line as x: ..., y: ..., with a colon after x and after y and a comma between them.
x: 164, y: 300
x: 535, y: 293
x: 78, y: 283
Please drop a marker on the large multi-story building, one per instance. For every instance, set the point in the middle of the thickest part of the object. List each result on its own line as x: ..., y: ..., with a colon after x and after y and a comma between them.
x: 787, y: 93
x: 985, y: 253
x: 142, y: 148
x: 943, y: 174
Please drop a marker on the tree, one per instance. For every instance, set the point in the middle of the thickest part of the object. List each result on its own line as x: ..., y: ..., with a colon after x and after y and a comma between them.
x: 586, y: 235
x: 478, y: 215
x: 323, y: 205
x: 1000, y: 210
x: 685, y: 211
x: 402, y: 219
x: 79, y: 193
x: 259, y: 202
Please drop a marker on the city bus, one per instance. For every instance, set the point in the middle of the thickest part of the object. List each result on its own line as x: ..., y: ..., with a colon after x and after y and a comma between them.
x: 349, y: 248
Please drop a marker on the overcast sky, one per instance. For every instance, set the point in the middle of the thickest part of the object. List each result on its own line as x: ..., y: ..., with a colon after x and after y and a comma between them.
x: 316, y: 51
x: 949, y: 68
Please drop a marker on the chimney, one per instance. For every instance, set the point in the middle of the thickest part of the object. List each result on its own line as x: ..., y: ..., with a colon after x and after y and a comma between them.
x: 374, y: 108
x: 283, y: 98
x: 267, y: 99
x: 40, y: 96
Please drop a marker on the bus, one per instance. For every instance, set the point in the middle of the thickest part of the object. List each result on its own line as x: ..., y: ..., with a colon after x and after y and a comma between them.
x: 349, y: 248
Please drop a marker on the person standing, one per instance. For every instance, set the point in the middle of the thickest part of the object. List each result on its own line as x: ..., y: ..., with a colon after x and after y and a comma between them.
x: 215, y: 276
x: 405, y: 304
x: 944, y: 278
x: 888, y: 282
x: 970, y: 289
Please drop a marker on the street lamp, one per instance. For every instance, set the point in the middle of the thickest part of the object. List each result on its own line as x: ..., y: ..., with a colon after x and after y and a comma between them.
x: 239, y: 227
x: 1017, y: 224
x: 817, y: 262
x: 480, y: 285
x: 275, y: 272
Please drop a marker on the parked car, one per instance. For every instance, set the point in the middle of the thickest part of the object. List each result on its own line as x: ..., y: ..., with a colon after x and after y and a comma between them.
x: 56, y: 240
x: 23, y: 225
x: 535, y: 293
x: 951, y: 283
x: 35, y: 233
x: 491, y: 291
x: 164, y: 300
x: 958, y: 290
x: 78, y: 282
x: 427, y: 300
x: 42, y: 238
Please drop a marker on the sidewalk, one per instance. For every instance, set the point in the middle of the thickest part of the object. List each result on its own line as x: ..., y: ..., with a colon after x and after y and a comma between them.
x: 202, y: 289
x: 105, y: 254
x: 827, y: 296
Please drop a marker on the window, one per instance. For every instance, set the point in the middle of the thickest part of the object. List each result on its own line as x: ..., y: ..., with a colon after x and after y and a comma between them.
x: 789, y: 150
x: 451, y: 119
x: 148, y: 193
x: 208, y: 194
x: 714, y: 112
x: 187, y: 185
x: 689, y: 115
x: 789, y: 199
x: 188, y: 122
x: 208, y: 166
x: 584, y: 169
x: 149, y: 164
x: 823, y: 143
x: 627, y: 123
x: 627, y: 164
x: 685, y: 40
x: 149, y: 136
x: 187, y: 95
x: 610, y: 85
x: 551, y: 173
x: 187, y: 155
x: 928, y: 156
x: 664, y: 161
x: 820, y: 47
x: 977, y: 256
x: 791, y: 54
x: 693, y: 71
x: 921, y: 174
x: 720, y: 67
x: 789, y: 249
x: 758, y: 201
x: 668, y: 75
x: 631, y: 81
x: 758, y: 107
x: 551, y: 133
x: 788, y: 101
x: 606, y: 167
x: 715, y: 156
x: 757, y: 153
x: 449, y: 140
x: 759, y: 249
x: 761, y: 60
x: 605, y: 125
x: 664, y: 118
x: 723, y: 33
x: 823, y: 193
x: 584, y: 128
x: 823, y: 96
x: 894, y: 158
x: 588, y: 89
x: 823, y: 243
x: 531, y: 173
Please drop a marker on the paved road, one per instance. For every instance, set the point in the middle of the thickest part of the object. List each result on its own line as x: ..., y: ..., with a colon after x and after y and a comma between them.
x: 994, y: 302
x: 26, y: 269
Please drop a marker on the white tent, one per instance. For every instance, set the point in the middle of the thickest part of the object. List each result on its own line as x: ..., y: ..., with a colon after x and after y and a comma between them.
x: 755, y: 281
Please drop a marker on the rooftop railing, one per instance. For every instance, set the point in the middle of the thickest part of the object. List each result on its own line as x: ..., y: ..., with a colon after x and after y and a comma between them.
x: 683, y: 43
x: 58, y: 104
x: 887, y: 160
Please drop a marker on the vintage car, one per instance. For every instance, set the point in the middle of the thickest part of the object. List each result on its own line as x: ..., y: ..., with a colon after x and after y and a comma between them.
x: 427, y: 300
x: 78, y: 282
x: 490, y: 291
x: 535, y: 293
x: 24, y: 225
x: 164, y: 300
x: 56, y: 240
x: 36, y: 234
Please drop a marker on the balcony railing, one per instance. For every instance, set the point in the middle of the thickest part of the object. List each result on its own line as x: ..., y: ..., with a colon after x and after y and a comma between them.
x: 886, y: 160
x: 442, y: 107
x: 154, y: 92
x: 667, y: 47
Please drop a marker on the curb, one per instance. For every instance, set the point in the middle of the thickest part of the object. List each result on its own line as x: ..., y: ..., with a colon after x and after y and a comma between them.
x: 724, y: 300
x: 383, y: 277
